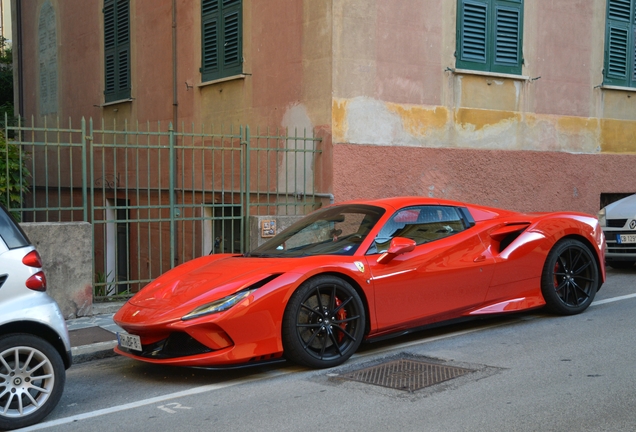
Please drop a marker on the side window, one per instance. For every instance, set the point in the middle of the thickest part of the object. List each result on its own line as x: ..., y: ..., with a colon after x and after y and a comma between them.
x: 422, y: 224
x: 221, y: 39
x: 619, y: 68
x: 116, y: 50
x: 490, y: 35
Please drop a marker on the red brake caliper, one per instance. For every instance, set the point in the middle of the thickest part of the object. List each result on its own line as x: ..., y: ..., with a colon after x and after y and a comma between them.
x: 341, y: 316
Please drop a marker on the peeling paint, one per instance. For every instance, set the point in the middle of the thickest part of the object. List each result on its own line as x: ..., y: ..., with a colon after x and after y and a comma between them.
x: 339, y: 116
x: 477, y: 119
x: 576, y: 125
x: 291, y: 179
x: 365, y: 120
x: 418, y: 121
x: 617, y: 136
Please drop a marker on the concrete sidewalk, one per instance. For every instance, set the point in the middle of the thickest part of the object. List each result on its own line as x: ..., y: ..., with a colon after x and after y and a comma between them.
x: 94, y: 337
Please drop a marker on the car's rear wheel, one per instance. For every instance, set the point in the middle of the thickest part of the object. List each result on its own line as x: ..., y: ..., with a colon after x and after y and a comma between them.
x: 324, y: 323
x: 32, y: 377
x: 619, y: 265
x: 570, y: 278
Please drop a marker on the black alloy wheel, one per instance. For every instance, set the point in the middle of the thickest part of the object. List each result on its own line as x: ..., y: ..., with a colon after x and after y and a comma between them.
x: 570, y: 278
x: 324, y: 323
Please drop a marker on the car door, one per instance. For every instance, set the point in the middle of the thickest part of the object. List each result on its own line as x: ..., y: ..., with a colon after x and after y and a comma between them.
x: 447, y: 272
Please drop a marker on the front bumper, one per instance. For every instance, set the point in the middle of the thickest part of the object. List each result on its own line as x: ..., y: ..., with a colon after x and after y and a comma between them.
x: 616, y: 251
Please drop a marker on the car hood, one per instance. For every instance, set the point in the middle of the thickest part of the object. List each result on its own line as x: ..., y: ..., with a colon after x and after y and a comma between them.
x: 206, y: 279
x: 622, y: 209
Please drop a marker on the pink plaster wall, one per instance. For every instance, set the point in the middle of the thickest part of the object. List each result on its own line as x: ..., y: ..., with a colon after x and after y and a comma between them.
x: 409, y: 63
x: 273, y: 50
x: 564, y: 45
x: 80, y: 72
x: 277, y: 58
x: 515, y: 180
x: 152, y: 59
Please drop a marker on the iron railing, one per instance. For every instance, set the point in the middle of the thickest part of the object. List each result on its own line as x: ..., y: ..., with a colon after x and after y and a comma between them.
x: 157, y: 197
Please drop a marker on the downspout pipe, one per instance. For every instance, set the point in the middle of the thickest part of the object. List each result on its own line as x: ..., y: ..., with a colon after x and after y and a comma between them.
x: 20, y: 73
x: 175, y: 128
x: 175, y: 102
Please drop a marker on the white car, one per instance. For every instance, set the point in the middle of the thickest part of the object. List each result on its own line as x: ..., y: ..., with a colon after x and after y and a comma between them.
x: 35, y: 349
x: 618, y: 221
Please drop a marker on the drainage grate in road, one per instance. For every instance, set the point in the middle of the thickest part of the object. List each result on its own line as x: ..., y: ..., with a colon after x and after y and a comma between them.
x: 406, y: 374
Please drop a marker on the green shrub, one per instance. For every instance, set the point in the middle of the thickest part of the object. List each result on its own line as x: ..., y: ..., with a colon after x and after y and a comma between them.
x: 14, y: 174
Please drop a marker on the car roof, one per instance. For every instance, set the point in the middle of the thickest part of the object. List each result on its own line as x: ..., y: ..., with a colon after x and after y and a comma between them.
x: 477, y: 211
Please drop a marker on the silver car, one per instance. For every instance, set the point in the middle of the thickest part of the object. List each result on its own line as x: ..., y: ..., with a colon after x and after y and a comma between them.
x: 618, y: 221
x: 35, y: 349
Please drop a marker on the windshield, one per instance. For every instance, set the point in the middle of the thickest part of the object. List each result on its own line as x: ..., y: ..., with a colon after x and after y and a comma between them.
x: 332, y: 231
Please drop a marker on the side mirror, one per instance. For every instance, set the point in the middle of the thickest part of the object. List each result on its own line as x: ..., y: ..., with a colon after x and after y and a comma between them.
x: 398, y: 246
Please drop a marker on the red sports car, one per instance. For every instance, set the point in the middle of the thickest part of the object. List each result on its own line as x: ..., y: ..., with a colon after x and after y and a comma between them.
x: 360, y: 271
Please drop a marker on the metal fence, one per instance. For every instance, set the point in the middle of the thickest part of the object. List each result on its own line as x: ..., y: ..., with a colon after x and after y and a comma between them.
x: 156, y: 196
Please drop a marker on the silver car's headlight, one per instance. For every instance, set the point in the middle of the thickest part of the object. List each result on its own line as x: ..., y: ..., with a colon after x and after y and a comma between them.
x: 601, y: 217
x: 219, y: 305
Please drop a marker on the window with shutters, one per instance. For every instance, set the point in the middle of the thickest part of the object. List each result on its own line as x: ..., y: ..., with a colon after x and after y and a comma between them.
x: 221, y: 39
x: 116, y: 50
x: 490, y: 35
x: 620, y: 54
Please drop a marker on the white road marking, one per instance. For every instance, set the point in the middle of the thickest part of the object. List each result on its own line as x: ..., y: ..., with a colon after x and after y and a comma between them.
x: 154, y: 400
x: 174, y: 405
x: 613, y: 299
x: 272, y: 374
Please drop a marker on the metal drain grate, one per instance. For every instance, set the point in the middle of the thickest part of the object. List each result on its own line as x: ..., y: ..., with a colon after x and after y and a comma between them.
x: 406, y: 374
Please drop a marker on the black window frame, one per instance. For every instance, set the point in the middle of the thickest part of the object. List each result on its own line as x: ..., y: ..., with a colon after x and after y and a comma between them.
x: 619, y: 66
x: 117, y: 58
x: 490, y: 36
x: 221, y: 39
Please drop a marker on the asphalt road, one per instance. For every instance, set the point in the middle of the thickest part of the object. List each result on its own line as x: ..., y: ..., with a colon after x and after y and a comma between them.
x: 530, y: 372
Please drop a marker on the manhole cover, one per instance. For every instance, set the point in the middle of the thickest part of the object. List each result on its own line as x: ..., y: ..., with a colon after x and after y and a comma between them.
x: 406, y: 374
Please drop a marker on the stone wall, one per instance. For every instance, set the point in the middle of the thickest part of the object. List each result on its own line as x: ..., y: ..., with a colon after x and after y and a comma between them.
x: 66, y: 249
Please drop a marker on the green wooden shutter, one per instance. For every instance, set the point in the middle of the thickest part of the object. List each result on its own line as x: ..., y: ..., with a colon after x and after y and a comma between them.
x: 221, y: 46
x: 116, y: 50
x: 490, y: 35
x: 210, y: 40
x: 508, y: 20
x: 472, y: 35
x: 619, y: 44
x: 109, y: 47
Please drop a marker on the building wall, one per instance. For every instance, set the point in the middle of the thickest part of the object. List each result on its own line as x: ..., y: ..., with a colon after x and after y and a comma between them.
x: 546, y: 140
x: 376, y: 76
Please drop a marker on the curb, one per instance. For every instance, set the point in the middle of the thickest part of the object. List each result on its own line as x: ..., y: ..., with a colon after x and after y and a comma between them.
x: 96, y: 351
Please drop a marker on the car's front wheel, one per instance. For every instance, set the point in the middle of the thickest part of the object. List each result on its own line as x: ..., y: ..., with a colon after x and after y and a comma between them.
x: 32, y: 378
x: 570, y: 278
x: 324, y: 323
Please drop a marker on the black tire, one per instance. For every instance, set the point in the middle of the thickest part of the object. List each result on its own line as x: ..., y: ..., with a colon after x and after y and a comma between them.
x: 324, y: 323
x: 620, y: 265
x: 37, y: 379
x: 570, y: 278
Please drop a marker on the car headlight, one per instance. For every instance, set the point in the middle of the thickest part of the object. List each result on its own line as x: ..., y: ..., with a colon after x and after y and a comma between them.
x: 219, y: 305
x: 601, y: 217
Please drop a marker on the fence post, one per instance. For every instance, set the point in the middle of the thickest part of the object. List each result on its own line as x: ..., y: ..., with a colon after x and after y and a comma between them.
x: 173, y: 238
x: 85, y: 138
x: 246, y: 183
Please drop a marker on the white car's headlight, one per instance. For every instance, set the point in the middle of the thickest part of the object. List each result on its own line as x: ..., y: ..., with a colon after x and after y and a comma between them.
x: 219, y: 305
x: 601, y: 217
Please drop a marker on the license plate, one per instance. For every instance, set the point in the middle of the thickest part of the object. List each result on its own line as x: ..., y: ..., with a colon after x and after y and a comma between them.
x: 626, y: 238
x: 129, y: 341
